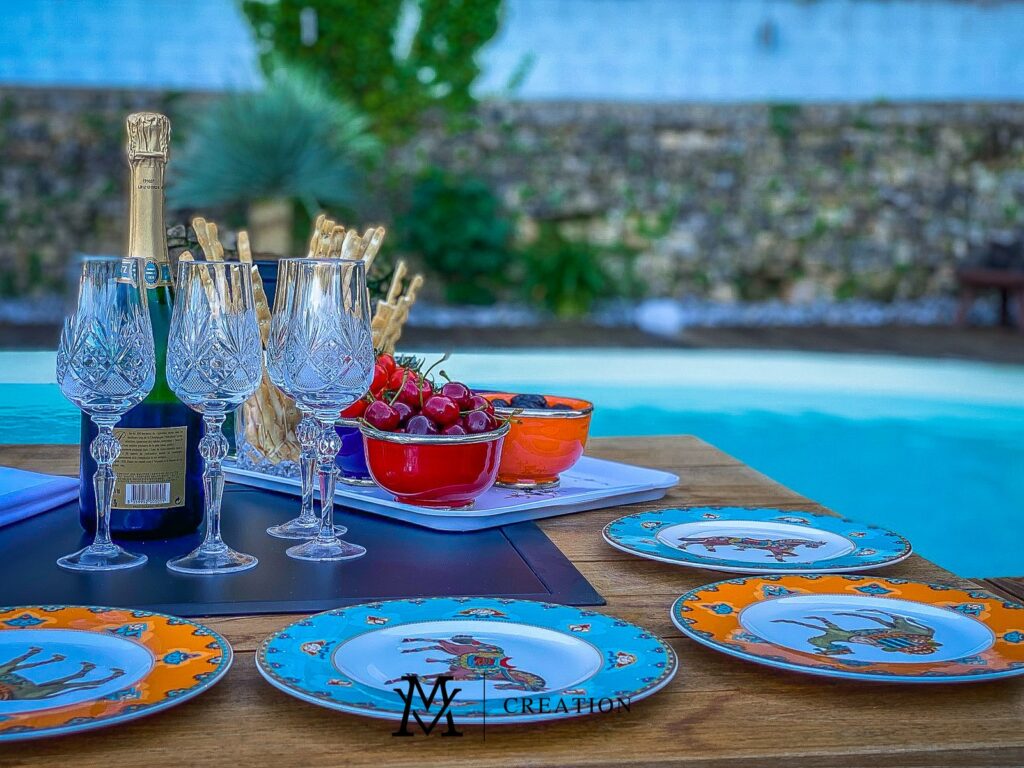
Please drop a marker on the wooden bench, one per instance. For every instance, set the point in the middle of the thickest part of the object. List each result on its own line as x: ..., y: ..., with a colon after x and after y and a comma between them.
x: 1009, y: 283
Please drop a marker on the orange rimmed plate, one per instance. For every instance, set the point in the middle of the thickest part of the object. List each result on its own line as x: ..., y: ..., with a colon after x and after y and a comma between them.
x: 66, y: 668
x: 858, y: 627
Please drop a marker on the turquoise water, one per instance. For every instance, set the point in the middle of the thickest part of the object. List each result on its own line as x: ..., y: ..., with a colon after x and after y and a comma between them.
x: 932, y: 449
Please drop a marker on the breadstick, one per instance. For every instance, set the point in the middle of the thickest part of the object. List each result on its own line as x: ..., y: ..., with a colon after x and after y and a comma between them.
x: 371, y: 247
x: 401, y: 315
x: 348, y: 244
x: 396, y: 282
x: 337, y: 240
x: 259, y: 295
x: 315, y: 237
x: 216, y: 249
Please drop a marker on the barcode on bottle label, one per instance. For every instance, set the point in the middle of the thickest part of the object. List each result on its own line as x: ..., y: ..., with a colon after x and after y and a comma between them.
x: 147, y: 493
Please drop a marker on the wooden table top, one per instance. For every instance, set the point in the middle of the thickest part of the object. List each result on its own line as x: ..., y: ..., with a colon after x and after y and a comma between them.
x: 719, y: 711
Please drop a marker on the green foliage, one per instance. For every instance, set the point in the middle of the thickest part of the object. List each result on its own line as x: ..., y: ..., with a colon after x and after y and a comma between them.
x: 782, y: 119
x: 568, y: 276
x: 292, y: 139
x: 375, y: 54
x: 456, y: 225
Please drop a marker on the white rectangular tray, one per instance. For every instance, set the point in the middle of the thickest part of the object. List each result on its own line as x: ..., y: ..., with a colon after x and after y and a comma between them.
x: 591, y: 484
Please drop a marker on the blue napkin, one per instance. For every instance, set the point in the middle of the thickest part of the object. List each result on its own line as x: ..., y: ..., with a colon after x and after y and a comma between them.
x: 23, y: 494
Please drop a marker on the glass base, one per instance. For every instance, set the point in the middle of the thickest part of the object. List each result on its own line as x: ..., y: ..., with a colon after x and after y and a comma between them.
x: 332, y: 549
x: 100, y: 557
x: 300, y: 529
x: 209, y: 562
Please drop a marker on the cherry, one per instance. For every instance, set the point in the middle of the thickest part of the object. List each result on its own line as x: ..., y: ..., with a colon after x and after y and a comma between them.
x: 409, y: 393
x: 355, y: 410
x: 399, y: 376
x: 480, y: 403
x: 476, y: 422
x: 421, y: 425
x: 458, y: 392
x: 387, y: 362
x: 415, y: 393
x: 380, y: 380
x: 441, y: 409
x: 453, y: 429
x: 404, y: 411
x: 381, y: 416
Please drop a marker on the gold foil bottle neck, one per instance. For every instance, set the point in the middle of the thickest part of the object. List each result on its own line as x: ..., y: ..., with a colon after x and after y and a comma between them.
x: 149, y: 136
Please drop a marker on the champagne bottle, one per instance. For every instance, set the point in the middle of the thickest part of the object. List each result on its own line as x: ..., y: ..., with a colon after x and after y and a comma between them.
x: 159, y: 491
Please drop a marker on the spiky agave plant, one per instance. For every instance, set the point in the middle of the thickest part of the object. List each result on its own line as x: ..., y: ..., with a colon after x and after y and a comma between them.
x: 291, y: 140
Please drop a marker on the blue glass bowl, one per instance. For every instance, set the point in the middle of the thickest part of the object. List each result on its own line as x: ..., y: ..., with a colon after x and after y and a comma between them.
x: 352, y: 456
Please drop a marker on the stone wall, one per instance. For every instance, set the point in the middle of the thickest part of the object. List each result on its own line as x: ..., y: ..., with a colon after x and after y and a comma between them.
x: 758, y: 201
x: 63, y: 179
x: 728, y: 202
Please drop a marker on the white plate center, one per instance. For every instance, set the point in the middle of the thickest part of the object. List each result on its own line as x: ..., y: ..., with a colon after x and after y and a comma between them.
x: 749, y: 541
x: 515, y: 660
x: 47, y: 668
x: 869, y: 629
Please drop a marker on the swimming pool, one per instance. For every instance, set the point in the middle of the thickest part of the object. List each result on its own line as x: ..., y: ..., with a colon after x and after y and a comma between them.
x: 932, y: 449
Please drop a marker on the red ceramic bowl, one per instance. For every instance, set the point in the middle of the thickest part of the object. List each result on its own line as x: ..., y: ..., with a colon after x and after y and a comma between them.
x: 543, y: 443
x: 442, y: 472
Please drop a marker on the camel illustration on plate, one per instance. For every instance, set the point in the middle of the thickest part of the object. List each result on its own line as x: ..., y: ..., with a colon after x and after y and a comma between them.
x: 17, y: 687
x: 897, y: 634
x: 471, y: 659
x: 778, y: 548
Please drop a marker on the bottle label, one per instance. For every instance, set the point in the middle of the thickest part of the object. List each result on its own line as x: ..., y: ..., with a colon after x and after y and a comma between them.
x: 151, y: 468
x: 127, y: 273
x: 156, y: 273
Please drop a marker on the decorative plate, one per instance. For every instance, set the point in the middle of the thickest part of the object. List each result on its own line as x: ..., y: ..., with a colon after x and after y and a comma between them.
x: 754, y: 540
x: 68, y: 668
x: 858, y: 627
x: 512, y: 661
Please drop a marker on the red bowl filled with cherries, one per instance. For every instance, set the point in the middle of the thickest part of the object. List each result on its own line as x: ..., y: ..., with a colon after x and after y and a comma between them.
x: 427, y: 445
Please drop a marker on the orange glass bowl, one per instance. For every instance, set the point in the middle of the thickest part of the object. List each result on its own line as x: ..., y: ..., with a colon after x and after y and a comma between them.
x: 542, y: 443
x: 437, y: 471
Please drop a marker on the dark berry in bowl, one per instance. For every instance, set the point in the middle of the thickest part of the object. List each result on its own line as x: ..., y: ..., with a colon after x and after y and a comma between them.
x: 529, y: 401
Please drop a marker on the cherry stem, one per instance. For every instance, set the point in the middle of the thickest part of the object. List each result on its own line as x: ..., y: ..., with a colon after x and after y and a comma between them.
x: 405, y: 377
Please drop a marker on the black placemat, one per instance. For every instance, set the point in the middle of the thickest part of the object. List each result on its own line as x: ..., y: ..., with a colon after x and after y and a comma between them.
x: 402, y: 561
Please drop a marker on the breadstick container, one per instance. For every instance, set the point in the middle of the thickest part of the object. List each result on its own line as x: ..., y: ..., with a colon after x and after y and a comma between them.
x: 265, y: 426
x: 265, y: 439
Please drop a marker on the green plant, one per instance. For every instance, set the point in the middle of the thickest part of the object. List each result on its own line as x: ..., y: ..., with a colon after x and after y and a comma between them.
x: 393, y: 58
x: 290, y: 140
x: 782, y: 120
x: 569, y: 276
x: 456, y: 225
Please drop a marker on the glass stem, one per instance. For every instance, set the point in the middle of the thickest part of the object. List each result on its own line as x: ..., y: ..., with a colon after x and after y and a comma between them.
x: 307, y: 432
x: 213, y: 448
x: 105, y: 449
x: 327, y: 453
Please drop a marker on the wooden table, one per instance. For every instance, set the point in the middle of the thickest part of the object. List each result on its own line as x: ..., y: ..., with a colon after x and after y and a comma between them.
x: 719, y: 711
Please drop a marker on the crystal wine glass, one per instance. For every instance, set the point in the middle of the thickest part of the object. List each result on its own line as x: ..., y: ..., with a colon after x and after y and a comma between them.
x: 106, y: 366
x: 307, y: 524
x: 327, y: 364
x: 214, y: 364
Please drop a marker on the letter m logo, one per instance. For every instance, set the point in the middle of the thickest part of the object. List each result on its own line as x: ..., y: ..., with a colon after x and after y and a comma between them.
x: 415, y: 689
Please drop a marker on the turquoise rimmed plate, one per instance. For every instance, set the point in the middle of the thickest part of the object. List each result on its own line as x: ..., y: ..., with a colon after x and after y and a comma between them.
x: 756, y: 540
x: 515, y: 661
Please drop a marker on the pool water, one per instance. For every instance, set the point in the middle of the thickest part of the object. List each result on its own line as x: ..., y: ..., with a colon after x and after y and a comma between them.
x: 932, y: 449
